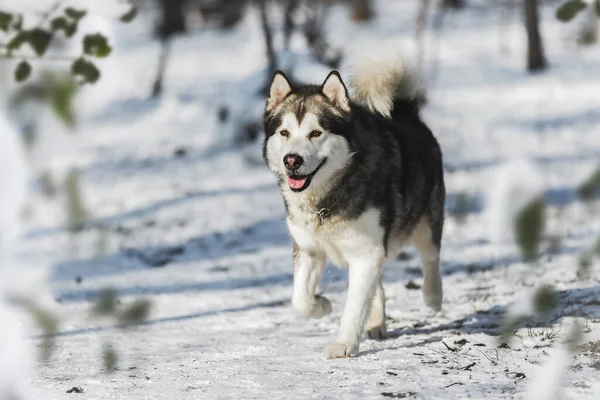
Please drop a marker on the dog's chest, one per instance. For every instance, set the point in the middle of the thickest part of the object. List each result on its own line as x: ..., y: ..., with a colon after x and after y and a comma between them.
x: 342, y: 240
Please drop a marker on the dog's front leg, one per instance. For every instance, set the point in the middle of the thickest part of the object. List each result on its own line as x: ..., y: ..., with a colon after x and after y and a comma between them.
x: 308, y: 270
x: 363, y: 277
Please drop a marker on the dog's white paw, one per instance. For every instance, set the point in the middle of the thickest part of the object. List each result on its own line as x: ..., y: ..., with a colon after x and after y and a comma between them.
x: 433, y: 295
x: 434, y: 301
x: 318, y: 308
x: 376, y: 332
x: 340, y: 350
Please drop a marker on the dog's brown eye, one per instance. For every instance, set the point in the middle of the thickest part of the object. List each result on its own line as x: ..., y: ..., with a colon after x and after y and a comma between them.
x: 315, y: 133
x: 284, y: 133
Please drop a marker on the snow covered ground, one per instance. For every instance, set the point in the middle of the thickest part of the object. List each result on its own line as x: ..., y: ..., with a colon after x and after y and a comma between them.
x: 199, y: 228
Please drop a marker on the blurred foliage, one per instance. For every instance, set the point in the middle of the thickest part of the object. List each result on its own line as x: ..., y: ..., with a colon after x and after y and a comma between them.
x: 585, y: 263
x: 86, y: 70
x: 106, y: 304
x: 76, y: 213
x: 45, y: 320
x: 22, y: 71
x: 544, y: 299
x: 136, y: 313
x: 102, y: 240
x: 62, y: 92
x: 574, y: 337
x: 49, y: 324
x: 590, y: 188
x: 463, y: 203
x: 48, y: 184
x: 57, y: 89
x: 543, y: 302
x: 130, y: 316
x: 40, y: 37
x: 509, y: 328
x: 569, y: 10
x: 96, y: 45
x: 109, y: 357
x: 529, y: 227
x: 129, y: 15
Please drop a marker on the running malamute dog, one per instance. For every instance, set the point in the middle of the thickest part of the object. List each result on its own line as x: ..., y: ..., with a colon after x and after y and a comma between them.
x: 360, y: 177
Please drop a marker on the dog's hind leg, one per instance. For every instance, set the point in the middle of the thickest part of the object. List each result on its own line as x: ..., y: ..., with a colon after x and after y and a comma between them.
x: 426, y: 238
x: 308, y: 270
x: 376, y: 321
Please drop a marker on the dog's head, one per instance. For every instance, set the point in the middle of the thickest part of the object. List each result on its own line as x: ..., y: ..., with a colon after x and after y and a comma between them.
x: 306, y: 132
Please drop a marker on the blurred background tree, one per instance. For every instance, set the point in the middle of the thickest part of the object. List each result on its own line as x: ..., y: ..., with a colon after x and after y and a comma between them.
x: 536, y: 60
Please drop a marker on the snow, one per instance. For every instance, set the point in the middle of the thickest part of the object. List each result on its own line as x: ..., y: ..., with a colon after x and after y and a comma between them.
x: 517, y: 183
x: 15, y: 354
x: 202, y: 235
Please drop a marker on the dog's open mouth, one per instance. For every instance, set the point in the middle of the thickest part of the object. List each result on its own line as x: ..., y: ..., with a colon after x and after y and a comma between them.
x: 299, y: 183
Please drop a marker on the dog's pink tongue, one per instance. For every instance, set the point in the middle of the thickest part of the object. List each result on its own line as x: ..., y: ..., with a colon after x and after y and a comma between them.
x: 296, y: 183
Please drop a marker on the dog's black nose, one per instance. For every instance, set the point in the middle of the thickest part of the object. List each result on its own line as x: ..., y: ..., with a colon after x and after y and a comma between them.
x: 292, y: 161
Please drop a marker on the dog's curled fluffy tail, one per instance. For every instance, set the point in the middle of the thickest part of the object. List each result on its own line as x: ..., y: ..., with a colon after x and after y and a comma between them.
x: 384, y: 81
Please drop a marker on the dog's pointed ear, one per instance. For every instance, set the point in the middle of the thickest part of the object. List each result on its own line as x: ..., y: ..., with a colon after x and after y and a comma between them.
x: 280, y: 88
x: 334, y: 89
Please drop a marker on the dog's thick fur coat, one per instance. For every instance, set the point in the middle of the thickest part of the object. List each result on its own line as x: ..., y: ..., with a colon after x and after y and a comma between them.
x: 360, y: 178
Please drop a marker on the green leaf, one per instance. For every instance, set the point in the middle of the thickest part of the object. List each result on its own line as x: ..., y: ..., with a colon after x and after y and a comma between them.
x: 106, y: 303
x: 59, y: 23
x: 18, y: 24
x: 85, y: 69
x: 71, y: 29
x: 17, y: 41
x: 136, y: 313
x: 509, y: 325
x: 49, y: 324
x: 585, y: 265
x: 39, y: 39
x: 76, y: 212
x: 62, y: 93
x: 570, y: 9
x: 529, y: 227
x: 102, y: 241
x: 129, y: 15
x: 543, y: 299
x: 75, y: 14
x: 5, y: 20
x: 96, y: 45
x: 109, y: 357
x: 22, y: 71
x: 590, y: 188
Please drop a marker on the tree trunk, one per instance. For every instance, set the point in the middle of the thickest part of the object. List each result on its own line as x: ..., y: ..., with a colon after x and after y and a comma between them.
x: 268, y: 35
x: 588, y: 32
x: 157, y: 87
x: 455, y: 4
x: 535, y: 50
x: 362, y: 10
x: 233, y: 12
x: 316, y: 15
x: 173, y: 18
x: 291, y: 6
x: 422, y: 22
